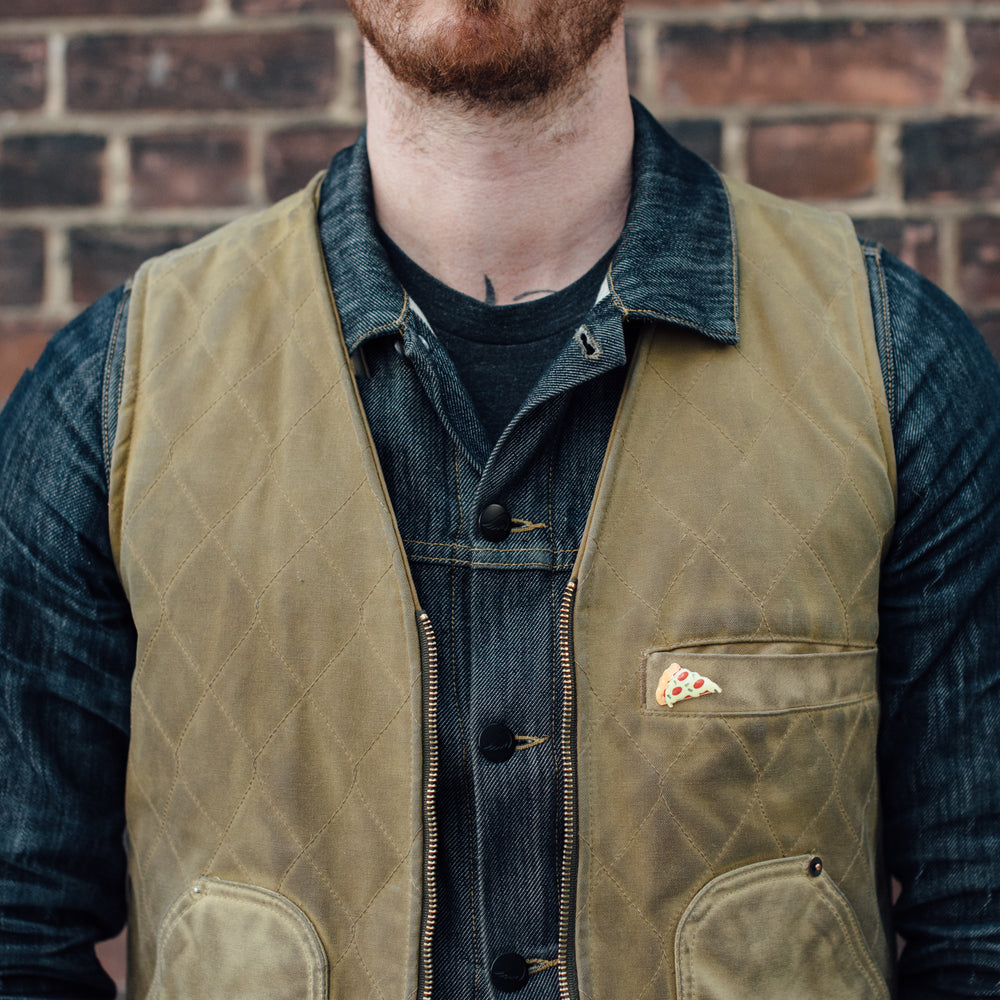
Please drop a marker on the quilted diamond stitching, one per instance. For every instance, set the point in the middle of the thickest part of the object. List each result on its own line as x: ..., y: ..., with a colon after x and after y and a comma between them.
x: 604, y: 699
x: 230, y: 384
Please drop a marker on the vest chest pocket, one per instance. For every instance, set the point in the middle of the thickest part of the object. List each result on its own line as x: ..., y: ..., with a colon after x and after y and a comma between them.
x: 766, y: 754
x: 231, y: 941
x: 764, y: 682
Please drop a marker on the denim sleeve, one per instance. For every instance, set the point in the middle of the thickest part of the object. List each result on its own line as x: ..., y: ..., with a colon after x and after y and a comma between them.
x: 940, y: 639
x: 67, y: 646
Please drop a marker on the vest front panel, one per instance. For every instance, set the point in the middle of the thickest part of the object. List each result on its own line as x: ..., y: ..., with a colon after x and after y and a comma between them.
x: 275, y: 768
x: 738, y: 532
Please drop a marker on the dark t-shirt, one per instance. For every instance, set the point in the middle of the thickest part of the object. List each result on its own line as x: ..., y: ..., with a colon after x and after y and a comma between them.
x: 500, y: 352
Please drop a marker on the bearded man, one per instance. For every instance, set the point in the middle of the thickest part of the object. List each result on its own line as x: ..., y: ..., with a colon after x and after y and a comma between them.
x: 523, y: 562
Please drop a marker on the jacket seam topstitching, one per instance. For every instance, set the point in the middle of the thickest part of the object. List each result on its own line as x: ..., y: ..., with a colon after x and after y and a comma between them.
x: 106, y: 442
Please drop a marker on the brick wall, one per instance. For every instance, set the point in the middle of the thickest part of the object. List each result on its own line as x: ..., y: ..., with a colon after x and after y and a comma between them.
x: 127, y: 126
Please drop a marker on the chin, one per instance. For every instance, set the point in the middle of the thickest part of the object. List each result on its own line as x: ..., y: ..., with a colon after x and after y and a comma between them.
x: 494, y: 54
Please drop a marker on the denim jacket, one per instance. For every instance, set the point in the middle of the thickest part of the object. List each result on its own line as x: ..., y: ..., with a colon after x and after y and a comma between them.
x: 67, y: 644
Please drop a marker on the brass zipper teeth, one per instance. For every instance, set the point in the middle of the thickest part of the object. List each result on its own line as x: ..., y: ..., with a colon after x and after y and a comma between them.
x: 567, y: 883
x: 429, y: 665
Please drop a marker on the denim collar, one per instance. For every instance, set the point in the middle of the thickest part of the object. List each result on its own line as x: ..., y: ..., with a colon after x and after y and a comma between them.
x: 675, y: 260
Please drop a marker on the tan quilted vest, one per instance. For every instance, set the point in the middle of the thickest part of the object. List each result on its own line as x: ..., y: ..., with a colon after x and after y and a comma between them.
x: 282, y: 762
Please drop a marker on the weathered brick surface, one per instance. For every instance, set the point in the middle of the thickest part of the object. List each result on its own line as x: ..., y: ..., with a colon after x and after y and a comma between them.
x: 204, y: 72
x: 51, y: 170
x: 980, y: 256
x: 915, y: 241
x: 293, y: 156
x: 263, y: 7
x: 22, y: 266
x: 22, y: 73
x: 952, y: 159
x: 21, y: 344
x: 186, y: 169
x: 27, y: 9
x: 988, y: 324
x: 102, y: 257
x: 813, y: 159
x: 984, y: 47
x: 876, y: 64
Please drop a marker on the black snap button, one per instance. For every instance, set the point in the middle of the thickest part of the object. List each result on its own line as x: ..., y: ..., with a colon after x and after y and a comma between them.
x: 509, y: 972
x: 816, y: 867
x: 494, y: 523
x: 496, y: 743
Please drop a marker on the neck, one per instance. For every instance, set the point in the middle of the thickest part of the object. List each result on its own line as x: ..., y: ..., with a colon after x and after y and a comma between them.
x: 510, y: 206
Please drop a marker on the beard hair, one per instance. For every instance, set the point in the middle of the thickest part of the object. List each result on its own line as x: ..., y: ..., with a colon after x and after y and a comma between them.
x: 482, y: 57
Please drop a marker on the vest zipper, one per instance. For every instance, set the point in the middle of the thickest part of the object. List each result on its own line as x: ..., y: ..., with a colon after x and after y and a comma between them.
x: 568, y: 989
x: 428, y: 671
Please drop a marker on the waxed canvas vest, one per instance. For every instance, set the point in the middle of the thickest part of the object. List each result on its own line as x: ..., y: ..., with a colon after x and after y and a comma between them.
x: 282, y: 767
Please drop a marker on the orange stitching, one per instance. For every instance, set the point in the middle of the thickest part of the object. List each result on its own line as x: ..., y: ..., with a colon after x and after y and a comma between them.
x: 462, y: 737
x: 480, y: 564
x: 755, y: 798
x: 527, y: 742
x: 525, y: 525
x: 105, y: 442
x: 540, y: 964
x: 486, y: 548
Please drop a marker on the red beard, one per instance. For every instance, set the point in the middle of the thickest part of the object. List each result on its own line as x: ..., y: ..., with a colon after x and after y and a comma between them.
x: 485, y: 54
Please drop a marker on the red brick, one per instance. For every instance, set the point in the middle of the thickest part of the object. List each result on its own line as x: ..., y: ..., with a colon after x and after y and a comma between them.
x: 293, y: 156
x: 879, y: 65
x: 15, y: 9
x: 813, y: 159
x: 182, y: 170
x: 22, y: 73
x: 22, y: 267
x: 101, y: 258
x: 204, y: 72
x: 21, y: 345
x: 955, y: 158
x: 984, y: 47
x: 51, y: 170
x: 979, y: 251
x: 913, y: 241
x: 988, y: 324
x: 257, y: 7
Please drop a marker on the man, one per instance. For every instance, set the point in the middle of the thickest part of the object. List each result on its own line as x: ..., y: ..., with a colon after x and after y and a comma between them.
x: 508, y: 523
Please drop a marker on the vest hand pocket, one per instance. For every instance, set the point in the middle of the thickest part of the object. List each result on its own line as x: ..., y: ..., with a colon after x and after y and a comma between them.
x: 231, y: 941
x: 774, y: 930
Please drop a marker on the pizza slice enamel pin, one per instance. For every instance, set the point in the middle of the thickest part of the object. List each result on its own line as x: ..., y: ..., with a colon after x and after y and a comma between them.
x: 680, y: 683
